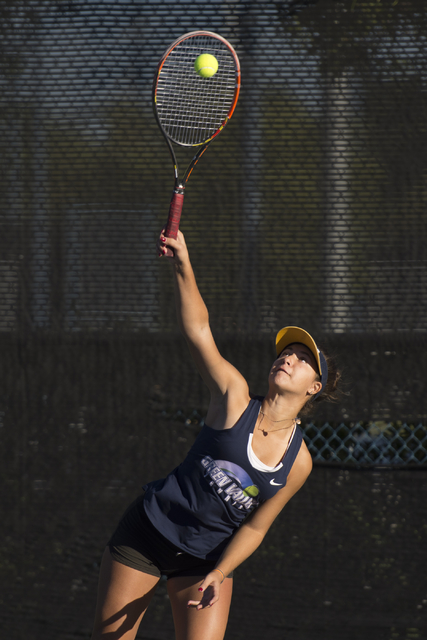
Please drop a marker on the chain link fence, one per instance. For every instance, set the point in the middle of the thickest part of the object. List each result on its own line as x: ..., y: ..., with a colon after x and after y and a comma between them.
x: 367, y: 444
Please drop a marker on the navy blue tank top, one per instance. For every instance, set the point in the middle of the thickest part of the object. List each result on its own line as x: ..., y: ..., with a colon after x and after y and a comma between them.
x: 202, y: 502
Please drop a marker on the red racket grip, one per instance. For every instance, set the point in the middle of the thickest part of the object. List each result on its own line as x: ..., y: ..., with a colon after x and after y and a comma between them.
x: 175, y: 209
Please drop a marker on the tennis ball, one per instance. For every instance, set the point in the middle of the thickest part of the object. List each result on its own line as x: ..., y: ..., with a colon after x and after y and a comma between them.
x: 251, y: 491
x: 206, y: 65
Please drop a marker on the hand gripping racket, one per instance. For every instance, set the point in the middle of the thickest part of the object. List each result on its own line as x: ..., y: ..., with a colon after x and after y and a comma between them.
x: 192, y: 110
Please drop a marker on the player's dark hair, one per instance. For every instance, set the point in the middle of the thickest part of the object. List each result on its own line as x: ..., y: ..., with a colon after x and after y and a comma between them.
x: 331, y: 393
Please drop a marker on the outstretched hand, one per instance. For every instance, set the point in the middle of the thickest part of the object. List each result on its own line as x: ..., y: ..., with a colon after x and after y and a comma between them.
x: 209, y: 591
x: 170, y: 248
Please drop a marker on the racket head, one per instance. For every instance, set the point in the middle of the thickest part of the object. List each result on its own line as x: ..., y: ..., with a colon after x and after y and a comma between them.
x: 192, y: 110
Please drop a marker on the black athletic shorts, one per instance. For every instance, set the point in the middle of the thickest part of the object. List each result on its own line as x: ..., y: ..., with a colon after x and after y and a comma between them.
x: 137, y: 544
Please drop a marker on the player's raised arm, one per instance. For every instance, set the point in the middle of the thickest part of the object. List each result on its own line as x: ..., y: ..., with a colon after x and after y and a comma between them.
x: 193, y: 320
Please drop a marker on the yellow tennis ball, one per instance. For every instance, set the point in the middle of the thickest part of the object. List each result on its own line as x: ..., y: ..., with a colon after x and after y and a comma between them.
x: 206, y: 65
x: 251, y: 491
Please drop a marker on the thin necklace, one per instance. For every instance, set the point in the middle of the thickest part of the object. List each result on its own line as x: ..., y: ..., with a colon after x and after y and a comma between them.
x: 265, y: 433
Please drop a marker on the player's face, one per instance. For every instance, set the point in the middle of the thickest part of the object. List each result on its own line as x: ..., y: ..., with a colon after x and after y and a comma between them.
x: 296, y: 370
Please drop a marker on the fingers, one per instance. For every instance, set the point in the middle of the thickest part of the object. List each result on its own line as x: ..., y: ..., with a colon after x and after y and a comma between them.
x: 170, y: 247
x: 204, y: 603
x: 165, y: 246
x: 210, y: 590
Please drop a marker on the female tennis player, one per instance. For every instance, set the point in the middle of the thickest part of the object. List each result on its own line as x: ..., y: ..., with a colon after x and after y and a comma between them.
x: 210, y: 513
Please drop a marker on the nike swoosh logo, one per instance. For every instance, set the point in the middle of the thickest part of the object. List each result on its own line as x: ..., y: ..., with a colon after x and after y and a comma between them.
x: 276, y: 484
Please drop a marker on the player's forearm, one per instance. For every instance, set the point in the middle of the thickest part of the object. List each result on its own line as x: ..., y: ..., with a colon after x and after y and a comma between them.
x: 191, y: 310
x: 241, y: 546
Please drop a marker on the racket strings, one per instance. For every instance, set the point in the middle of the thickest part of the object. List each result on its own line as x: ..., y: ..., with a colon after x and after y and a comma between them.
x: 191, y: 108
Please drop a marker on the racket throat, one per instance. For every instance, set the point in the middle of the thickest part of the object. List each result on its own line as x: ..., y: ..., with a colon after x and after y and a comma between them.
x: 179, y: 188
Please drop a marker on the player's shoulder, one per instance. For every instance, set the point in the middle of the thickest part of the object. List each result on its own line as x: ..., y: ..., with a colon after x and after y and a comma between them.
x: 303, y: 464
x: 226, y: 408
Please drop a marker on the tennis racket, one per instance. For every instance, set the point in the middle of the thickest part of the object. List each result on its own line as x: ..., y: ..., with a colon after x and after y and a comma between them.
x: 192, y: 110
